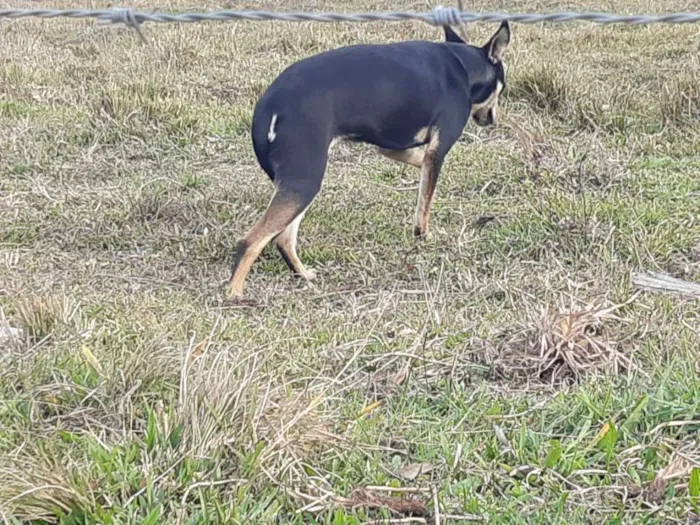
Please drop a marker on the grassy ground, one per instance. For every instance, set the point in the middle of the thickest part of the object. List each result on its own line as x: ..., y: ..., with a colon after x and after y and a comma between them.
x: 139, y: 396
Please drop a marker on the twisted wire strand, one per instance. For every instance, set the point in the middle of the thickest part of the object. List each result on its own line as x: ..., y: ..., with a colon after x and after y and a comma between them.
x: 439, y: 16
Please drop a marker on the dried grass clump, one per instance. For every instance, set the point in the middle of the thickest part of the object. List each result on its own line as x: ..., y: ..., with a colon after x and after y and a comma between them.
x: 544, y: 90
x: 230, y: 399
x: 680, y: 100
x: 679, y: 468
x: 560, y: 346
x: 40, y: 317
x: 33, y: 486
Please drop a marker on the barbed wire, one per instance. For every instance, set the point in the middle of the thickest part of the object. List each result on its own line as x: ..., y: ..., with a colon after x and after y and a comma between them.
x: 439, y: 16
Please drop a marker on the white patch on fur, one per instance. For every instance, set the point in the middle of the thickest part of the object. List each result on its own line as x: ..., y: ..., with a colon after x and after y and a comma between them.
x: 434, y: 139
x: 429, y: 134
x: 422, y: 134
x: 271, y: 135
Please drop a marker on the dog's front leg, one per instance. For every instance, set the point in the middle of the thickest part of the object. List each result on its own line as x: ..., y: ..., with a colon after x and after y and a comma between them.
x: 442, y: 138
x: 430, y: 171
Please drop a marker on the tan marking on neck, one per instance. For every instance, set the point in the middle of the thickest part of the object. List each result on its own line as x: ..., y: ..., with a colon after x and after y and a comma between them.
x: 491, y: 100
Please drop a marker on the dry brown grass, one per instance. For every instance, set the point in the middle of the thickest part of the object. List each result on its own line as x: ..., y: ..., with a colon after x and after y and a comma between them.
x: 680, y: 100
x: 36, y: 486
x: 545, y: 90
x: 127, y: 175
x: 567, y: 344
x: 40, y: 317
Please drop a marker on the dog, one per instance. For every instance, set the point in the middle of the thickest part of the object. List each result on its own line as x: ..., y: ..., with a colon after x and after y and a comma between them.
x: 411, y: 100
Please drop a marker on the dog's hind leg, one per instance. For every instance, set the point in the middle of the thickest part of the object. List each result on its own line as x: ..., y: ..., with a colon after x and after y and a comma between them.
x: 299, y: 167
x: 287, y: 246
x: 286, y: 208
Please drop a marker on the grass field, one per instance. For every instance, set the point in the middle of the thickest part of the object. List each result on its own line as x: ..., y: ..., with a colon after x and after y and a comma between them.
x: 138, y: 395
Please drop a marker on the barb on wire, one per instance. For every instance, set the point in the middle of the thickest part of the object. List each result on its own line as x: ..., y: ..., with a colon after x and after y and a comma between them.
x: 439, y: 16
x: 128, y: 18
x: 462, y: 25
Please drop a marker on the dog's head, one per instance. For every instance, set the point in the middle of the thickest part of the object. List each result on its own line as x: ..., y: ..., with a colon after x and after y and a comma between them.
x: 485, y: 94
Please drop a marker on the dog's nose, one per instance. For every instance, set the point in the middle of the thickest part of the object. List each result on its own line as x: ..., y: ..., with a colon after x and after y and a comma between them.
x: 484, y: 119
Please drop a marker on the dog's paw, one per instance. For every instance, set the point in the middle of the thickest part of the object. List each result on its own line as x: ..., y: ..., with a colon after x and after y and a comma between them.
x: 309, y: 274
x: 233, y: 293
x: 420, y: 233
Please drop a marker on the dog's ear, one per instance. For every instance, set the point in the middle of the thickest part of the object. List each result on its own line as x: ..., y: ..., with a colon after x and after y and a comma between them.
x: 498, y: 44
x: 451, y: 36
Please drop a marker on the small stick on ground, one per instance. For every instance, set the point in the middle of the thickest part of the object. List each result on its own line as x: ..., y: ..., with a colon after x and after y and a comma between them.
x: 436, y: 505
x: 395, y: 521
x: 367, y: 497
x: 402, y: 506
x: 659, y: 282
x: 404, y: 490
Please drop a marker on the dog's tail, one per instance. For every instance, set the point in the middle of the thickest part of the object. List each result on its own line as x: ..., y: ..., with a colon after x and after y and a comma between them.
x: 264, y: 132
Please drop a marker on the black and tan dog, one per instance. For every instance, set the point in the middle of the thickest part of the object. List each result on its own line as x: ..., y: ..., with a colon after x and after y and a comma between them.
x: 411, y: 99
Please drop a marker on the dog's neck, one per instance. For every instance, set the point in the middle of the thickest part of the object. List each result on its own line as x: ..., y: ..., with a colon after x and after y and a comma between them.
x: 478, y: 69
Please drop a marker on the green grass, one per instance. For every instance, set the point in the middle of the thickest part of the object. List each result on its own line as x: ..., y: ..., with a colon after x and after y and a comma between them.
x: 139, y: 396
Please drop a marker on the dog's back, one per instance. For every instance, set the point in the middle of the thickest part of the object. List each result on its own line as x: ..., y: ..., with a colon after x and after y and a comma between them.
x: 353, y: 92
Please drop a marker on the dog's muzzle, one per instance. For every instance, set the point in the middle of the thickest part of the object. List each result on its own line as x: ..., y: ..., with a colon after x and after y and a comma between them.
x: 485, y: 118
